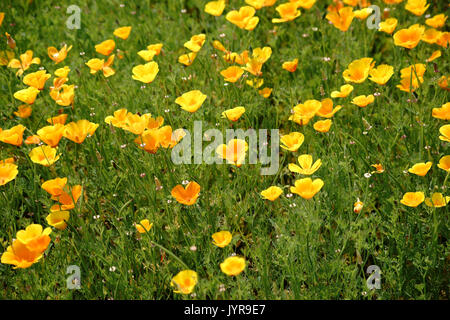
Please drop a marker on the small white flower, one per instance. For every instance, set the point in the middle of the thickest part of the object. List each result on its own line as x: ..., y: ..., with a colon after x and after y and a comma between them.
x: 367, y: 175
x: 112, y: 269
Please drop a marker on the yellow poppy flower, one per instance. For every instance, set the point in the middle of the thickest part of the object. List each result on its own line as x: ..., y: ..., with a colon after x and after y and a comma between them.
x: 187, y: 59
x: 144, y: 226
x: 413, y: 199
x: 444, y: 163
x: 358, y: 70
x: 381, y: 74
x: 157, y: 47
x: 36, y: 79
x: 196, y: 42
x: 445, y: 133
x: 62, y: 72
x: 342, y: 18
x: 234, y: 151
x: 215, y: 8
x: 292, y: 141
x: 323, y: 125
x: 55, y: 186
x: 363, y: 101
x: 122, y: 32
x: 23, y: 111
x: 344, y: 91
x: 78, y: 131
x: 34, y: 237
x: 417, y: 7
x: 437, y: 21
x: 58, y: 119
x: 409, y: 38
x: 65, y: 97
x: 233, y: 266
x: 13, y: 136
x: 436, y: 54
x: 8, y: 172
x: 306, y: 165
x: 20, y: 256
x: 258, y: 4
x: 222, y: 238
x: 100, y: 64
x: 51, y: 135
x: 58, y: 56
x: 145, y: 72
x: 244, y: 18
x: 388, y: 25
x: 421, y: 169
x: 443, y: 112
x: 431, y: 36
x: 305, y: 4
x: 27, y: 95
x: 290, y: 66
x: 26, y: 60
x: 232, y: 74
x: 327, y: 111
x: 287, y: 11
x: 307, y: 188
x: 44, y: 155
x: 58, y: 219
x: 437, y: 200
x: 233, y: 114
x: 272, y: 193
x: 304, y: 112
x: 184, y: 281
x: 188, y: 195
x: 191, y: 101
x: 106, y: 47
x: 266, y: 92
x: 147, y: 55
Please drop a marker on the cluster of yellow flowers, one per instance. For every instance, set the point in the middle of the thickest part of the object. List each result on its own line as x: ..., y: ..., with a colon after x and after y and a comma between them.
x: 151, y: 134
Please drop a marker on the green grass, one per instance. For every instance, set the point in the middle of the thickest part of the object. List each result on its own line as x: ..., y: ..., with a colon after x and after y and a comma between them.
x: 295, y: 248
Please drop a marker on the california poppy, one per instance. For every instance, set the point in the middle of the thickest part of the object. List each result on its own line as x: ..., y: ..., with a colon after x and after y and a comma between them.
x: 188, y: 195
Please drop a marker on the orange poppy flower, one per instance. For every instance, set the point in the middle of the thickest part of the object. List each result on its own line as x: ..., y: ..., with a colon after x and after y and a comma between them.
x: 188, y: 195
x: 409, y: 38
x: 36, y: 79
x: 244, y: 18
x: 106, y: 47
x: 122, y: 32
x: 78, y: 131
x: 341, y: 19
x: 60, y: 55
